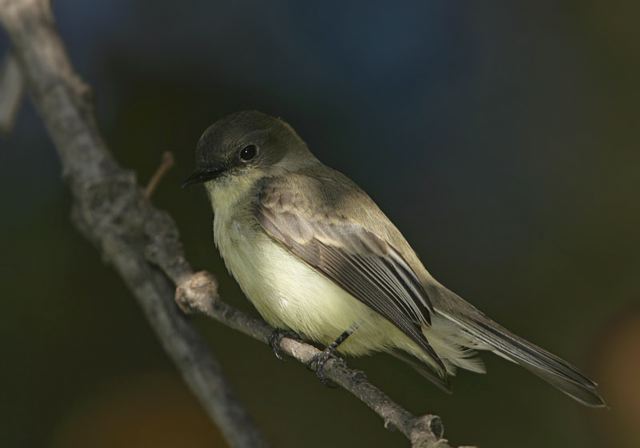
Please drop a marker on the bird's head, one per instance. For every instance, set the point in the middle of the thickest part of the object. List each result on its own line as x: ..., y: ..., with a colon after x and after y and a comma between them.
x: 248, y: 143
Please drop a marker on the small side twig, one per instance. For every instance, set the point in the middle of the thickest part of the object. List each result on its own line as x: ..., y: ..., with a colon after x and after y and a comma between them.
x: 163, y: 168
x: 11, y: 92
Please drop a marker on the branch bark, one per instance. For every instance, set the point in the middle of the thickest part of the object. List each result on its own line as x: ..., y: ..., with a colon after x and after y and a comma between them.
x: 143, y: 245
x: 110, y: 209
x: 11, y: 92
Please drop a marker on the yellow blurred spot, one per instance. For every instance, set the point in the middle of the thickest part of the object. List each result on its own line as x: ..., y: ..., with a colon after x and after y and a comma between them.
x: 151, y: 410
x: 618, y: 363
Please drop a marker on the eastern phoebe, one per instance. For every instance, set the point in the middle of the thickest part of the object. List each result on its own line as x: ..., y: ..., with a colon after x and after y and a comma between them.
x: 315, y: 255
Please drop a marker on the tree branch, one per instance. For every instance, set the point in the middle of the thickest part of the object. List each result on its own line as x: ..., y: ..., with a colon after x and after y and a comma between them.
x: 111, y: 211
x: 142, y: 243
x: 11, y: 92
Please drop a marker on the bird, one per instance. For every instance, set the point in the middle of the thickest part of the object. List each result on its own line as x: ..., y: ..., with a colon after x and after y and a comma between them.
x: 318, y: 258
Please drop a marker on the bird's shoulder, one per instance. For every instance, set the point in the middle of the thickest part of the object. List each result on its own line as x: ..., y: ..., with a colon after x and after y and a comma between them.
x: 323, y: 201
x: 322, y: 194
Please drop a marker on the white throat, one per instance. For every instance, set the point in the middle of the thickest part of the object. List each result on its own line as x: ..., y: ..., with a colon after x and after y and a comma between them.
x: 227, y: 193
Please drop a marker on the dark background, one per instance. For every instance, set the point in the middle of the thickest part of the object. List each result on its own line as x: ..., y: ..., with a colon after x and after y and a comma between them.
x: 501, y: 138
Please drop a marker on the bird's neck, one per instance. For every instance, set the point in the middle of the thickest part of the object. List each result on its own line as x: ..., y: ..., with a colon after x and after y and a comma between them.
x: 227, y: 194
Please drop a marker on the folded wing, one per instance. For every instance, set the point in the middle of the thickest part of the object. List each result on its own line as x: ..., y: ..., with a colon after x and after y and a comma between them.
x: 362, y: 263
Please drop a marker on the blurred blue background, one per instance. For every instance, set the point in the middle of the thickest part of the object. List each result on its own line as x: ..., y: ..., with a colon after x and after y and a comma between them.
x: 501, y: 138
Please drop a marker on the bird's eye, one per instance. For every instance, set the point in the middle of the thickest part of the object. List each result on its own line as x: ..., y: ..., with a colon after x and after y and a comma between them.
x: 248, y: 152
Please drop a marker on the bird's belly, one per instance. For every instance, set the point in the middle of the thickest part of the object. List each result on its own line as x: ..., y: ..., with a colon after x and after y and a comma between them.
x: 288, y: 293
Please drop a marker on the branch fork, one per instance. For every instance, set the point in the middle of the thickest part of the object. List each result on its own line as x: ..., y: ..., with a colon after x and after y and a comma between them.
x: 197, y: 294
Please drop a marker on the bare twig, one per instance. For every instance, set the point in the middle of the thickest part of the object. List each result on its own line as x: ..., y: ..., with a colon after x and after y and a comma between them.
x: 11, y: 92
x: 165, y: 165
x: 113, y: 212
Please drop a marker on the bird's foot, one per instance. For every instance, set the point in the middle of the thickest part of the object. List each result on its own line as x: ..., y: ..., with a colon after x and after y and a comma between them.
x: 275, y: 339
x: 318, y: 363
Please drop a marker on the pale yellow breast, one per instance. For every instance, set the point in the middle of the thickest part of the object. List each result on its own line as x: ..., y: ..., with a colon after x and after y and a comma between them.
x: 287, y: 292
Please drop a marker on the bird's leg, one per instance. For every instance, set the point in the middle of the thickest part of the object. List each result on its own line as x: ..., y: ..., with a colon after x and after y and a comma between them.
x: 318, y: 361
x: 276, y: 338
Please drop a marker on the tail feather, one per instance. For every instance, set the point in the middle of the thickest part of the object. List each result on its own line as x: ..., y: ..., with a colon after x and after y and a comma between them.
x: 538, y: 361
x: 455, y: 348
x: 442, y: 382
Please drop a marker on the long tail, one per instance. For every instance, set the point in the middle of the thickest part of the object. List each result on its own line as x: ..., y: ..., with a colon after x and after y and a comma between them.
x: 492, y: 336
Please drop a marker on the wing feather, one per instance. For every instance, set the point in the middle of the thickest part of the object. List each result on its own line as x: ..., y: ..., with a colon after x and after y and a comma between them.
x: 359, y: 261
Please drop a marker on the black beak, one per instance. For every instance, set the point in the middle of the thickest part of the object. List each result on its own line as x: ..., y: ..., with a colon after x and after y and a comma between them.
x: 201, y: 176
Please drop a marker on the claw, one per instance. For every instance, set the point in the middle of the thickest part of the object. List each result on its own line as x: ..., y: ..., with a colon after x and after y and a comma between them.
x: 318, y: 363
x: 275, y: 339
